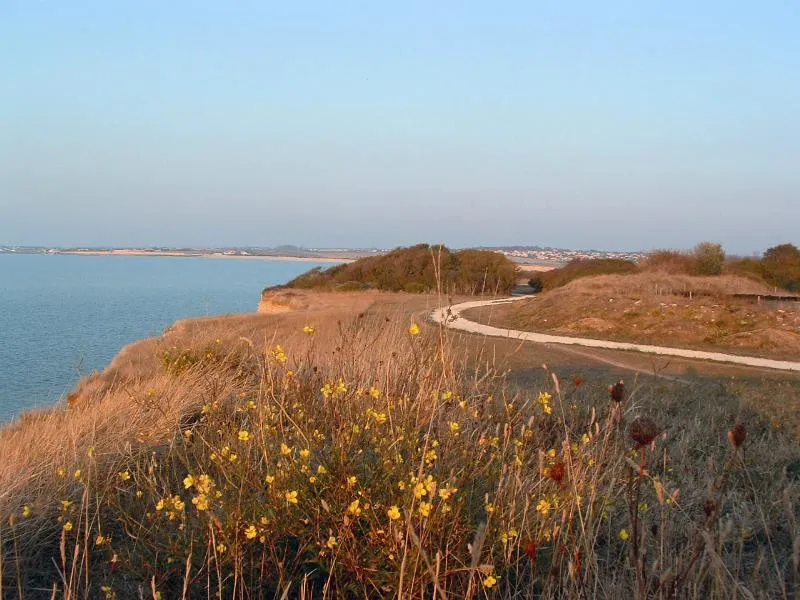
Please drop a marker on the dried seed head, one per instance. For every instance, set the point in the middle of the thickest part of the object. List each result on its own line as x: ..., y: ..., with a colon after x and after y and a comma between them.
x: 617, y: 391
x: 530, y: 550
x: 557, y: 472
x: 737, y: 435
x: 643, y: 431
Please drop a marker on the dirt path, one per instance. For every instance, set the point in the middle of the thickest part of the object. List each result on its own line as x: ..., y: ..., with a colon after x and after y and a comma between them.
x: 451, y: 317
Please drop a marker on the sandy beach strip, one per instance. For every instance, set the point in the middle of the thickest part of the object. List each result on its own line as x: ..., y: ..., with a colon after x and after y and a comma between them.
x: 170, y: 253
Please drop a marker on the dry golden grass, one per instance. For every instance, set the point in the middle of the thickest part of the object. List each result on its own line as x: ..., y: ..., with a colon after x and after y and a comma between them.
x: 660, y: 309
x: 345, y: 453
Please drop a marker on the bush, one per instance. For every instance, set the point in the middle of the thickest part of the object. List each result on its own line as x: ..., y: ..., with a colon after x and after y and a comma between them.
x: 709, y: 259
x: 536, y: 283
x: 418, y: 269
x: 782, y: 266
x: 586, y: 268
x: 672, y: 262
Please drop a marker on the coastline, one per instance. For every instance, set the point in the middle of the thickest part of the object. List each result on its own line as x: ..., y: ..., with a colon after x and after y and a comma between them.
x: 178, y: 254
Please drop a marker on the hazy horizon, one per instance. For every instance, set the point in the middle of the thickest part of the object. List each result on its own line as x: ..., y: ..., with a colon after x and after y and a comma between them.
x: 616, y: 126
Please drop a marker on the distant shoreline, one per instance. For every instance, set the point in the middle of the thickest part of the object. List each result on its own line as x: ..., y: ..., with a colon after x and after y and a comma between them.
x: 172, y: 253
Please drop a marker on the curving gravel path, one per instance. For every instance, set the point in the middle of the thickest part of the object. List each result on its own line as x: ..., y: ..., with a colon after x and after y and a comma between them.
x: 451, y: 317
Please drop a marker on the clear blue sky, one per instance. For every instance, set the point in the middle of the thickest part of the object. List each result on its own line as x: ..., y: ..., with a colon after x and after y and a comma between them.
x: 627, y: 125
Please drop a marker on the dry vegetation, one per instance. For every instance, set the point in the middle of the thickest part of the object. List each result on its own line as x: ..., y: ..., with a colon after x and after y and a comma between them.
x: 661, y: 309
x: 418, y: 269
x: 348, y: 452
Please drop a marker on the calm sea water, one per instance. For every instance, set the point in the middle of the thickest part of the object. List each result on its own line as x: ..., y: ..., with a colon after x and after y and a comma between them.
x: 63, y: 316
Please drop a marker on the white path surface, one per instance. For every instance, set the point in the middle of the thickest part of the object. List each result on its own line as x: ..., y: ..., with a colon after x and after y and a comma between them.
x: 451, y: 317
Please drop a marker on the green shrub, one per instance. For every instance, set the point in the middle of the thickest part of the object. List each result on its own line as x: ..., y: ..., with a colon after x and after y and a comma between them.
x: 709, y: 258
x: 418, y: 269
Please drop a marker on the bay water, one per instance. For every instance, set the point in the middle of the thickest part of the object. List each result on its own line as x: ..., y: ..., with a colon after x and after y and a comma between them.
x: 63, y: 316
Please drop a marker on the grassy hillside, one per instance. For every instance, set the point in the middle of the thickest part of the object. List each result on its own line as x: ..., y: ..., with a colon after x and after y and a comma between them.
x: 353, y: 453
x: 420, y: 268
x: 580, y: 268
x: 662, y: 309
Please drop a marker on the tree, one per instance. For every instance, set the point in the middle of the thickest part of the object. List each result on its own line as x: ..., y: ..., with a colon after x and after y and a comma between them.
x: 709, y: 258
x: 782, y: 266
x: 536, y: 283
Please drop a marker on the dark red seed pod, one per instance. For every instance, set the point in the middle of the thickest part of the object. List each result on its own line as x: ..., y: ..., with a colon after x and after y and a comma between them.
x: 577, y: 380
x: 737, y: 435
x: 617, y: 391
x: 709, y: 507
x: 530, y: 550
x: 643, y: 431
x: 557, y: 472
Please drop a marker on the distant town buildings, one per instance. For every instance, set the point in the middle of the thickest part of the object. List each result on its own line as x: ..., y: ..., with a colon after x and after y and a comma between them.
x: 562, y: 255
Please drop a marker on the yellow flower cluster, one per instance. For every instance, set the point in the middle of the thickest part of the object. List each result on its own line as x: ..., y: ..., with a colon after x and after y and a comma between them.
x: 204, y: 490
x: 544, y: 399
x: 331, y: 389
x: 279, y: 355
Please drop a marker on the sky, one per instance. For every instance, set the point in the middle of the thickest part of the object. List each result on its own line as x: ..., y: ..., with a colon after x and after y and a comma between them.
x: 577, y: 124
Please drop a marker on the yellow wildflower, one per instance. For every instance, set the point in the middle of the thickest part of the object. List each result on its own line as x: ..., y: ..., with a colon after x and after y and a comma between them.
x: 331, y: 542
x: 354, y: 508
x: 419, y: 490
x: 188, y: 481
x: 454, y: 427
x: 26, y: 510
x: 200, y: 501
x: 490, y: 581
x: 413, y: 329
x: 321, y: 470
x: 543, y: 506
x: 204, y: 483
x: 279, y: 355
x: 351, y: 481
x: 291, y: 497
x: 269, y: 478
x: 65, y: 504
x: 447, y: 395
x: 624, y: 535
x: 285, y: 450
x: 425, y: 509
x: 221, y: 548
x: 393, y: 513
x: 309, y: 329
x: 90, y: 452
x: 244, y: 436
x: 446, y: 492
x: 68, y: 526
x: 251, y: 532
x: 305, y: 453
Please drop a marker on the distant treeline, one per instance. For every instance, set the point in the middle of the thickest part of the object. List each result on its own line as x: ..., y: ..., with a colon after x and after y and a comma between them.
x: 779, y: 266
x: 418, y: 269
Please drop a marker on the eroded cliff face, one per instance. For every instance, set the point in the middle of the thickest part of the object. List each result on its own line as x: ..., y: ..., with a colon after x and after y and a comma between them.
x: 281, y: 301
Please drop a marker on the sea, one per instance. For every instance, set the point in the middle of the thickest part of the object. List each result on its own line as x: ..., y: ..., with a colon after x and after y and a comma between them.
x: 63, y: 316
